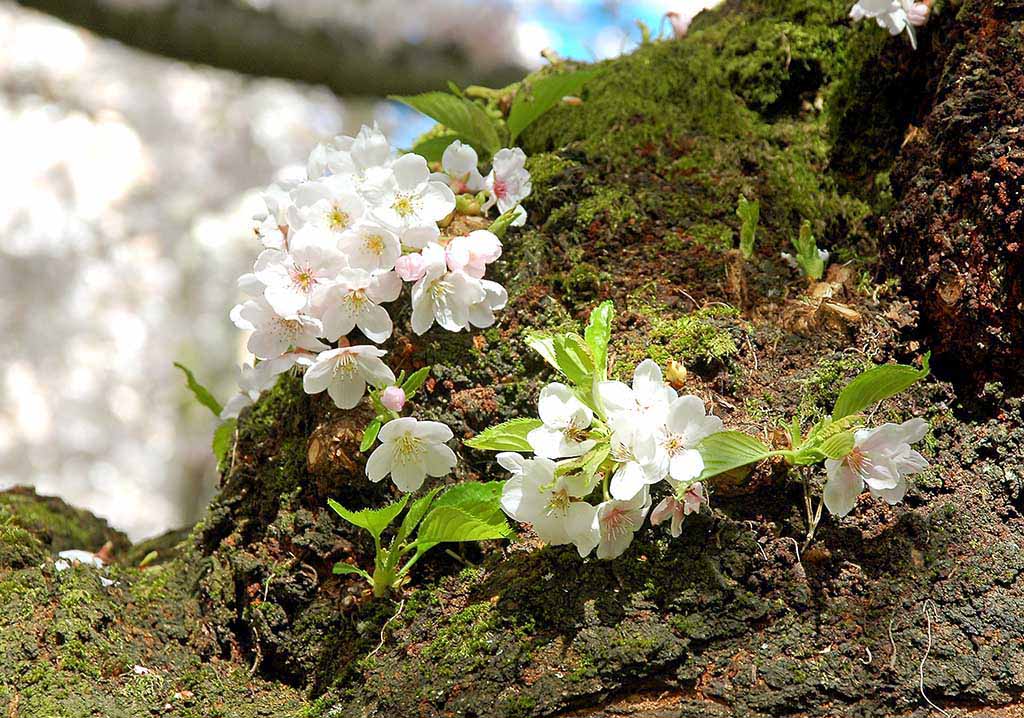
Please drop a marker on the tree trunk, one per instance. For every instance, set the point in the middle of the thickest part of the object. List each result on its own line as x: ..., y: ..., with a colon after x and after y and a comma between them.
x: 889, y: 611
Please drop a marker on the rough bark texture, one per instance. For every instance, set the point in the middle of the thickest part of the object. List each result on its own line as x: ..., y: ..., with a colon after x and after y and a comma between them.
x: 634, y: 199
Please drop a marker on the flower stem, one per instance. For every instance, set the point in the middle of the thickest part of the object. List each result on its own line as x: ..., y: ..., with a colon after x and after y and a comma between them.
x: 813, y: 514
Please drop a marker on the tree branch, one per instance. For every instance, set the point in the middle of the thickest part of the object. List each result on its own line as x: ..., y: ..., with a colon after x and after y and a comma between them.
x: 228, y: 35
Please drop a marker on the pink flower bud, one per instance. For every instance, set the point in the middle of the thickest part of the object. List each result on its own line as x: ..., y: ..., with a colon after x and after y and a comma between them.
x: 393, y: 398
x: 411, y: 267
x: 917, y: 14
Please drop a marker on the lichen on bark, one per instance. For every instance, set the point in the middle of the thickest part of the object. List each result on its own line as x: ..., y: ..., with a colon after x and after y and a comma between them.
x: 634, y: 200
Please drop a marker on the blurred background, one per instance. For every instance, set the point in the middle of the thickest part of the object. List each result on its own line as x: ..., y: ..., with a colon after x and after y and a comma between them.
x: 135, y: 136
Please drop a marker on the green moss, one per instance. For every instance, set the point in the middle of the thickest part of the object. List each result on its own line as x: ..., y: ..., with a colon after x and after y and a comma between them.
x: 466, y: 639
x: 701, y: 339
x: 821, y: 387
x: 614, y: 205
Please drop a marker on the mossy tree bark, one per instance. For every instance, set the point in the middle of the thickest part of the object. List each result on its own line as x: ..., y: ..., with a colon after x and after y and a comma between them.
x: 634, y: 199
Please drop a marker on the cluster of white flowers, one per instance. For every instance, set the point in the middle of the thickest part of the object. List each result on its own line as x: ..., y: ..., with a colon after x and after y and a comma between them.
x: 651, y: 433
x: 894, y: 15
x: 337, y: 247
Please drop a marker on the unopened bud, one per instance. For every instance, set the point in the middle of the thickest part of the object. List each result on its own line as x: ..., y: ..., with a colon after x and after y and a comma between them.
x: 393, y: 398
x: 467, y: 204
x: 675, y: 372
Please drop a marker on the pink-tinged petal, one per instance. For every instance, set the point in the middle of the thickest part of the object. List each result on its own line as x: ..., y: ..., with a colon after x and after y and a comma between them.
x: 842, y: 488
x: 411, y: 267
x: 665, y: 510
x: 393, y: 398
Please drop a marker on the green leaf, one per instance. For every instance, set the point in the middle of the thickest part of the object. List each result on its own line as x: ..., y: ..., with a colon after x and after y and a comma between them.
x: 728, y: 450
x: 838, y: 445
x: 345, y: 568
x: 463, y: 117
x: 223, y: 439
x: 543, y: 344
x: 500, y: 226
x: 509, y: 436
x: 748, y: 212
x: 596, y: 457
x: 411, y: 385
x: 415, y: 514
x: 373, y: 520
x: 807, y: 256
x: 533, y: 100
x: 573, y: 358
x: 479, y: 499
x: 202, y: 394
x: 450, y: 523
x: 874, y: 385
x: 432, y: 148
x: 598, y: 334
x: 588, y: 463
x: 370, y: 434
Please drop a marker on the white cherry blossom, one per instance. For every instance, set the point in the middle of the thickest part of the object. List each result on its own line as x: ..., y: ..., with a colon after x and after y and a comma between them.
x: 471, y: 254
x: 893, y: 15
x: 273, y: 334
x: 612, y: 526
x: 481, y: 314
x: 685, y: 426
x: 648, y: 398
x: 567, y: 422
x: 292, y: 277
x: 679, y: 508
x: 881, y: 458
x: 443, y: 296
x: 410, y: 451
x: 640, y: 463
x: 354, y: 300
x: 329, y: 204
x: 370, y: 247
x: 345, y: 372
x: 508, y: 182
x: 534, y: 495
x: 459, y: 163
x: 406, y: 199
